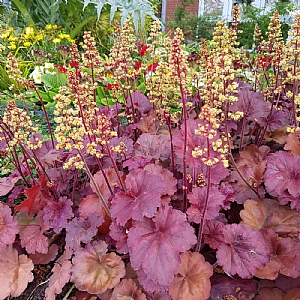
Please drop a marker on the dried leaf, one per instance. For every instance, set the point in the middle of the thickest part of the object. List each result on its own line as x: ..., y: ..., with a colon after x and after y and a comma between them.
x: 192, y: 280
x: 95, y: 271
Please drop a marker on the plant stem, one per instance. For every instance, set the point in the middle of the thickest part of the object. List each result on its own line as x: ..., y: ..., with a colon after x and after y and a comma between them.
x: 46, y: 116
x: 200, y: 233
x: 230, y: 154
x: 185, y: 129
x: 87, y: 170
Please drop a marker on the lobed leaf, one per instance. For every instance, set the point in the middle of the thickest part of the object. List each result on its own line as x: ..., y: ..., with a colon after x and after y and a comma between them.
x: 283, y: 174
x: 33, y: 238
x: 82, y: 230
x: 198, y: 198
x: 94, y: 270
x: 142, y: 198
x: 7, y: 184
x: 223, y: 286
x: 243, y: 251
x: 192, y: 280
x: 61, y: 275
x: 251, y: 164
x: 37, y: 197
x: 267, y: 213
x: 15, y: 272
x: 8, y: 226
x: 155, y: 244
x: 58, y: 213
x: 152, y: 146
x: 127, y: 289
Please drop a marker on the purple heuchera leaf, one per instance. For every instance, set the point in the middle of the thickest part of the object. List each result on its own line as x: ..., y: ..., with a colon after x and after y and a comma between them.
x: 226, y: 189
x: 152, y: 146
x: 286, y: 198
x: 139, y: 102
x: 126, y: 145
x: 58, y: 213
x: 193, y: 140
x: 119, y: 234
x: 82, y: 230
x: 155, y: 245
x: 222, y: 285
x: 283, y: 174
x: 33, y: 238
x: 166, y: 176
x: 137, y: 162
x: 7, y: 184
x: 142, y: 198
x: 198, y: 198
x: 9, y: 226
x: 252, y: 104
x: 213, y: 233
x: 243, y: 251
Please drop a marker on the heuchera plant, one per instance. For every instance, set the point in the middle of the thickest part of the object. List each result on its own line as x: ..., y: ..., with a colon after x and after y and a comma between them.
x: 168, y: 175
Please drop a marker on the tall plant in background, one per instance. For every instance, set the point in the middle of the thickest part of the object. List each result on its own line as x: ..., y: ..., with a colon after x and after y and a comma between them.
x: 193, y: 25
x: 253, y: 16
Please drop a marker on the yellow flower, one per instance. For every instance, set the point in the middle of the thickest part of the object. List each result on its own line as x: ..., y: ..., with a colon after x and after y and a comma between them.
x: 62, y: 35
x: 48, y: 27
x: 38, y: 37
x: 29, y: 31
x: 54, y: 26
x: 5, y: 35
x: 13, y: 38
x: 27, y: 44
x: 56, y: 41
x: 12, y: 46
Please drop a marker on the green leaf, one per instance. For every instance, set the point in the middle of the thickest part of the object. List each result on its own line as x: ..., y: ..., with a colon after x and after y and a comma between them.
x: 23, y: 11
x: 54, y: 81
x: 79, y: 27
x: 100, y: 92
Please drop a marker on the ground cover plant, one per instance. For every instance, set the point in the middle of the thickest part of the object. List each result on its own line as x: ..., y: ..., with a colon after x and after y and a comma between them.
x: 169, y: 175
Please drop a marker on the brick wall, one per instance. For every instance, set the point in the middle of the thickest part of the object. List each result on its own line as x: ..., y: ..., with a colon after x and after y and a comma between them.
x: 172, y: 4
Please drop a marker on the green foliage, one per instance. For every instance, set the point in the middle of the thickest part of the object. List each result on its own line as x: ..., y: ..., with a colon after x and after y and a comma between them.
x: 135, y: 9
x: 254, y: 16
x: 192, y: 25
